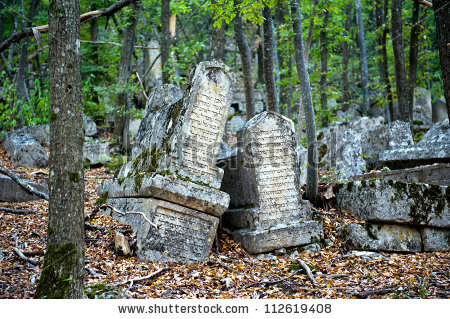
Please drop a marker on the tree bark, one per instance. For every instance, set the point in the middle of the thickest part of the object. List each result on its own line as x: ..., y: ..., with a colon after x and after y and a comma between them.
x: 441, y: 14
x: 380, y: 19
x: 345, y: 58
x: 312, y: 169
x: 269, y: 63
x: 122, y: 118
x: 399, y: 59
x: 324, y: 70
x: 218, y: 40
x: 260, y: 54
x: 165, y: 39
x: 362, y: 57
x: 413, y: 52
x: 246, y: 60
x: 310, y: 32
x: 285, y: 77
x: 62, y: 275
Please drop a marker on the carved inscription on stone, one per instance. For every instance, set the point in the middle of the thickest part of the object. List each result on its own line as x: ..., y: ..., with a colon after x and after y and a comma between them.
x: 207, y: 122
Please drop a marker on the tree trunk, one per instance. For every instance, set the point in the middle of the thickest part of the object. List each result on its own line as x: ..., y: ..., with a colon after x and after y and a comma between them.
x: 165, y: 39
x: 246, y: 59
x: 362, y: 57
x: 413, y: 51
x: 310, y: 32
x: 269, y: 64
x: 312, y: 170
x: 218, y: 41
x: 345, y: 58
x: 324, y: 70
x: 260, y: 54
x: 441, y: 15
x: 380, y: 19
x: 122, y: 118
x: 62, y: 275
x: 285, y: 77
x: 399, y: 61
x: 93, y: 30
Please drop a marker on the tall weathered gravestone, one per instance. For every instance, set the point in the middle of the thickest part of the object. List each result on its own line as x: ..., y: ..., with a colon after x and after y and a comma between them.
x: 262, y: 178
x: 172, y: 175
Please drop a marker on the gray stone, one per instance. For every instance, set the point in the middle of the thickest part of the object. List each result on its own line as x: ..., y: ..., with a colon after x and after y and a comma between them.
x: 422, y: 110
x: 183, y: 234
x: 235, y: 123
x: 396, y: 202
x: 431, y: 174
x: 96, y: 152
x: 24, y: 150
x: 391, y: 238
x: 11, y: 192
x: 433, y: 147
x: 262, y: 178
x: 89, y: 126
x: 184, y: 136
x: 439, y: 110
x: 392, y: 136
x: 105, y: 292
x: 154, y: 76
x: 281, y: 235
x: 169, y: 187
x: 41, y: 133
x: 302, y: 155
x: 239, y: 103
x: 134, y: 127
x: 349, y: 160
x: 311, y: 248
x: 435, y: 239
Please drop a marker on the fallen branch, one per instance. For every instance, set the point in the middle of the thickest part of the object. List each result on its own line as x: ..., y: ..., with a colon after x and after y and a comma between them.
x: 95, y: 227
x: 332, y: 275
x: 368, y: 293
x: 18, y: 211
x: 153, y: 274
x: 24, y: 185
x: 308, y: 271
x: 218, y: 263
x: 31, y: 253
x: 93, y: 272
x: 24, y: 258
x: 129, y: 213
x: 28, y: 32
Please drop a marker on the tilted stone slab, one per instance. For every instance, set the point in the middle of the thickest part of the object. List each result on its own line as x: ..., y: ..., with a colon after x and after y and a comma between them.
x: 24, y: 150
x: 11, y: 192
x: 183, y: 234
x: 379, y: 237
x: 435, y: 239
x: 169, y: 188
x: 431, y: 174
x: 96, y: 152
x: 434, y: 147
x: 396, y: 202
x: 183, y: 136
x: 281, y: 235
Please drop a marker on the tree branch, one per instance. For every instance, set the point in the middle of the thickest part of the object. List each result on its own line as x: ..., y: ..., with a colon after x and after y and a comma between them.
x: 129, y: 213
x: 25, y: 258
x: 24, y: 185
x: 28, y: 32
x: 18, y: 211
x: 427, y: 3
x: 153, y: 274
x: 308, y: 271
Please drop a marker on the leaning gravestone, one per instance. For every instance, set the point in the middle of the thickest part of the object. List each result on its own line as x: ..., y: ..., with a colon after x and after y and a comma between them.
x: 263, y: 182
x: 172, y: 175
x: 24, y: 150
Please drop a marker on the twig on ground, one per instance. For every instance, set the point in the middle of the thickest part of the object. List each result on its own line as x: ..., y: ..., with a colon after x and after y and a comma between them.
x: 93, y: 272
x: 153, y: 274
x: 215, y: 262
x: 96, y: 227
x: 129, y: 213
x: 18, y: 211
x: 20, y: 254
x: 381, y: 291
x: 308, y: 271
x: 332, y: 275
x: 23, y: 184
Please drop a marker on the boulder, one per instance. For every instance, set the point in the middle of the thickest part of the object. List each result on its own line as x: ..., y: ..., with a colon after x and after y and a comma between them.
x: 89, y: 126
x: 41, y: 133
x: 11, y: 192
x: 24, y: 150
x: 96, y: 152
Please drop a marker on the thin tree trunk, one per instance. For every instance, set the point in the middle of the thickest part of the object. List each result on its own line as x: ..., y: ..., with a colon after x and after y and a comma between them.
x: 285, y: 91
x: 63, y: 273
x: 260, y: 55
x: 441, y: 14
x: 413, y: 52
x: 246, y: 60
x: 122, y: 119
x: 312, y: 169
x: 310, y: 32
x: 269, y: 66
x: 362, y: 57
x: 93, y: 30
x: 218, y: 40
x: 165, y: 39
x: 324, y: 70
x: 399, y: 59
x: 345, y: 58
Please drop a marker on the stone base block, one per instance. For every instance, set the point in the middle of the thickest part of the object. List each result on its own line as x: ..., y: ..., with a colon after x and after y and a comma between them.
x: 167, y: 187
x: 378, y: 237
x: 279, y: 236
x: 11, y: 192
x: 183, y: 234
x: 435, y: 239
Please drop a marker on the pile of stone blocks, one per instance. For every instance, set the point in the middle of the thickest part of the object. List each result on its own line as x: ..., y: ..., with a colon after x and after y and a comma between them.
x: 262, y: 177
x: 172, y: 176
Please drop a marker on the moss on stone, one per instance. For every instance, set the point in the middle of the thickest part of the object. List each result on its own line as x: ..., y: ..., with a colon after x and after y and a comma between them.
x: 370, y: 232
x: 349, y: 186
x: 74, y: 177
x: 322, y: 151
x: 56, y: 274
x: 102, y: 199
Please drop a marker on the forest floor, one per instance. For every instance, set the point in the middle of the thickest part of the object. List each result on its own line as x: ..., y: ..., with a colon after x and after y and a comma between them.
x: 228, y: 272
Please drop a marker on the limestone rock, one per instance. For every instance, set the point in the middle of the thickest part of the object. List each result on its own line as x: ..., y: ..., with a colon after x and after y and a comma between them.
x: 234, y: 124
x: 439, y: 110
x: 435, y: 239
x: 302, y: 155
x: 422, y: 110
x: 96, y: 152
x: 89, y: 126
x: 41, y: 133
x: 24, y: 150
x: 183, y: 234
x: 396, y: 202
x: 349, y: 160
x: 391, y: 238
x: 134, y: 127
x: 11, y: 192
